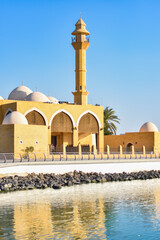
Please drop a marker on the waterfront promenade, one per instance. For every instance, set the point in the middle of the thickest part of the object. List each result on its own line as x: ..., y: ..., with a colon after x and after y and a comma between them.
x: 60, y: 167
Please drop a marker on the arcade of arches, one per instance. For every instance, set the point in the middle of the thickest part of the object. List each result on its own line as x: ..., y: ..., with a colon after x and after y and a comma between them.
x: 63, y: 132
x: 65, y: 127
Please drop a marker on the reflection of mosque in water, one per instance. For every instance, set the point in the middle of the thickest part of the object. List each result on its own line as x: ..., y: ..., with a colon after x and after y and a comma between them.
x: 73, y: 217
x: 76, y: 219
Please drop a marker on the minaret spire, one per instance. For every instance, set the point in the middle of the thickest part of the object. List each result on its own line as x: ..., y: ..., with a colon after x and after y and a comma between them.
x: 80, y: 44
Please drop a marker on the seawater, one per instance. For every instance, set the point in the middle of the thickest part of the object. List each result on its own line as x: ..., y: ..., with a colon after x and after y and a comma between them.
x: 117, y: 210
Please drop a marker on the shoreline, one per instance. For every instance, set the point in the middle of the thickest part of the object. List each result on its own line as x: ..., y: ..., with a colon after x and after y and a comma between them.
x: 57, y: 181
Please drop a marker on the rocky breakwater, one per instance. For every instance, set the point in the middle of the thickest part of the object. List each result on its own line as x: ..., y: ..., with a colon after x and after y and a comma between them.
x: 57, y: 181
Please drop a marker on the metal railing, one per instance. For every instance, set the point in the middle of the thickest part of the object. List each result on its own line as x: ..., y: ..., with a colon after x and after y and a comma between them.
x: 71, y: 156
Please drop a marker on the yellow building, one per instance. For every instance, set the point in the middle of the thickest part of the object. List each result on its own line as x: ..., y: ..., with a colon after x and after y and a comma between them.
x: 32, y: 119
x: 147, y: 140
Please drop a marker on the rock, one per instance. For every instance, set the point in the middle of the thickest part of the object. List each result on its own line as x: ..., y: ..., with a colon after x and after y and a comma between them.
x: 87, y: 181
x: 57, y: 186
x: 29, y: 187
x: 98, y: 179
x: 69, y: 183
x: 77, y: 183
x: 103, y: 179
x: 42, y: 181
x: 93, y: 181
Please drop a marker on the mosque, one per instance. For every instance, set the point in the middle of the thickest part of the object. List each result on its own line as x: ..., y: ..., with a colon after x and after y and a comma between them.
x: 32, y: 119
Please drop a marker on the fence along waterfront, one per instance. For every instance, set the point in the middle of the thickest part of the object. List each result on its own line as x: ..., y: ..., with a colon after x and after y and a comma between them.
x: 72, y: 156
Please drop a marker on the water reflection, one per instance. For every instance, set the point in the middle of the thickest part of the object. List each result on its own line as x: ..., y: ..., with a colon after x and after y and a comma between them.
x: 74, y: 220
x: 96, y: 211
x: 32, y: 220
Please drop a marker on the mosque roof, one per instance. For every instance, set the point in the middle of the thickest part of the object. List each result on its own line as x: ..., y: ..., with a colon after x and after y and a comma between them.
x: 24, y: 93
x: 1, y: 98
x: 14, y: 118
x: 148, y: 127
x: 53, y: 100
x: 19, y: 93
x: 37, y: 97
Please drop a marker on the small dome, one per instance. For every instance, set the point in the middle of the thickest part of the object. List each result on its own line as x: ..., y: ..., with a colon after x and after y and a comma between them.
x: 19, y: 93
x: 148, y: 127
x: 53, y: 100
x: 15, y: 118
x: 37, y: 97
x: 1, y: 98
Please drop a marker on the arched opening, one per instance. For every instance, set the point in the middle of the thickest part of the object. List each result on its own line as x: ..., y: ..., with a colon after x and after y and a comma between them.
x: 61, y: 131
x: 8, y: 112
x: 88, y: 131
x: 35, y: 118
x: 129, y: 147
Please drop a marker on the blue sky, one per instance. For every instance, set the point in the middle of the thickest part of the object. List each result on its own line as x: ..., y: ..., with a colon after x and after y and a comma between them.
x: 123, y: 60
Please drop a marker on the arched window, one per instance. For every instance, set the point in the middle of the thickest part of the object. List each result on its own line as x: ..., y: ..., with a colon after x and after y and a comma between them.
x: 61, y: 123
x: 129, y: 147
x: 88, y: 124
x: 35, y: 118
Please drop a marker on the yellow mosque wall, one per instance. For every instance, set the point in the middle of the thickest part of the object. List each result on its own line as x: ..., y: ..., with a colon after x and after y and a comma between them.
x: 84, y: 138
x: 138, y: 139
x: 30, y: 135
x: 157, y: 141
x: 6, y: 138
x: 15, y: 138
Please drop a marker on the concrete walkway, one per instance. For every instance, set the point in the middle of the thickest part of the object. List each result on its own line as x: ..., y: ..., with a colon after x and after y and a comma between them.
x: 60, y: 167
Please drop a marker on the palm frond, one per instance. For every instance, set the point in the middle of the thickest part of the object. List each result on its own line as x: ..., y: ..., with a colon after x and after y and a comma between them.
x: 110, y: 118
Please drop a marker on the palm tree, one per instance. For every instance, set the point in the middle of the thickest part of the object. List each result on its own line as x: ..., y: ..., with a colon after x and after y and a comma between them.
x: 110, y: 118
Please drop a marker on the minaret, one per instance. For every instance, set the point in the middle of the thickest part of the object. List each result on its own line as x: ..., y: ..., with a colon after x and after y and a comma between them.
x: 80, y: 44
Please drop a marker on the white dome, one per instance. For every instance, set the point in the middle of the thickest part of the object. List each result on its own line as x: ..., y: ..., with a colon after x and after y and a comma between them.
x: 148, y: 127
x: 15, y: 118
x: 53, y: 100
x: 19, y: 93
x: 1, y: 98
x: 37, y: 97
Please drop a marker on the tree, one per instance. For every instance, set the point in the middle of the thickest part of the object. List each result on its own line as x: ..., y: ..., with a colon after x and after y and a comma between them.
x: 110, y: 118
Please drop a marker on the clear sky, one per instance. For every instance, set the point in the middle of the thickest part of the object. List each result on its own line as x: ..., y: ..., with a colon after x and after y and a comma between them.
x: 123, y: 60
